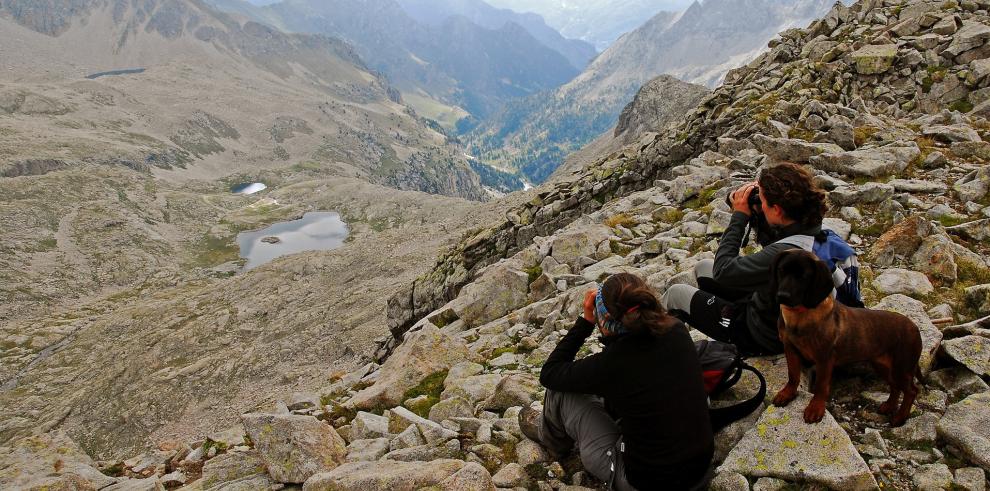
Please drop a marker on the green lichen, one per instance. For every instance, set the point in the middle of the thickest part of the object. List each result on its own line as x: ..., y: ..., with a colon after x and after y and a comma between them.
x: 431, y: 386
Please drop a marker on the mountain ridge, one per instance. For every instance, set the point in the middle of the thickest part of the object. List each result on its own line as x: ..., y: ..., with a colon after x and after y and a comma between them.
x: 579, y: 53
x: 682, y: 45
x: 444, y: 63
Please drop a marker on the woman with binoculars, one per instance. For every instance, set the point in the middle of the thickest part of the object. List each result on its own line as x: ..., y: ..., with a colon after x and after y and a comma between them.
x: 732, y: 302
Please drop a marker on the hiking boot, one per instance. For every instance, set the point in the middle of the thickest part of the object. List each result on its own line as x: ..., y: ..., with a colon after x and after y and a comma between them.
x: 530, y: 422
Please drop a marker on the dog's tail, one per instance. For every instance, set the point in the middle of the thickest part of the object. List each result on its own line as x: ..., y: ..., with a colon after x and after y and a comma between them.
x: 917, y: 373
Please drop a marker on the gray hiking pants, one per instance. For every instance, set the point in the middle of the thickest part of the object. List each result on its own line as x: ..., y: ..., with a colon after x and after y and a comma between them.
x: 678, y: 297
x: 570, y: 417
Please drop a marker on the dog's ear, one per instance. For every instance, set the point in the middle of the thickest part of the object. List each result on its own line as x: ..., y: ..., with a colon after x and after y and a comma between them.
x: 821, y: 283
x: 773, y: 273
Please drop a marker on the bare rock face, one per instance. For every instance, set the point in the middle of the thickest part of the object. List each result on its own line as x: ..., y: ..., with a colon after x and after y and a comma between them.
x: 658, y: 103
x: 873, y: 162
x: 782, y: 445
x: 966, y: 424
x: 50, y: 461
x: 901, y: 241
x: 425, y: 352
x: 471, y: 477
x: 972, y: 351
x: 384, y: 476
x: 874, y: 59
x: 501, y: 289
x: 294, y: 447
x: 232, y: 466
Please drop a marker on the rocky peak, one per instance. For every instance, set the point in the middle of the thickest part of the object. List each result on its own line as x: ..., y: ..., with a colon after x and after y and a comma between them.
x: 909, y: 188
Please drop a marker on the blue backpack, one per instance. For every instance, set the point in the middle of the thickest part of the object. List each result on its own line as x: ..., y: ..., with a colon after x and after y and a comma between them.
x: 841, y: 260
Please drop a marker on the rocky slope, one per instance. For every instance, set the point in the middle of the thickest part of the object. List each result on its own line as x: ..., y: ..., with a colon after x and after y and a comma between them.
x: 163, y: 345
x: 108, y: 180
x: 124, y: 125
x: 908, y: 185
x: 699, y: 46
x: 250, y: 93
x: 660, y: 103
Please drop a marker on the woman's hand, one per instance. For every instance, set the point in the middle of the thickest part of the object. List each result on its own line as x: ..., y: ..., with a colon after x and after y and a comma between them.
x: 740, y: 198
x: 589, y: 305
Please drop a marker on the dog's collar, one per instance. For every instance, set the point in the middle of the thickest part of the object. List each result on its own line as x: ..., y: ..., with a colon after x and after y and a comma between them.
x: 802, y: 309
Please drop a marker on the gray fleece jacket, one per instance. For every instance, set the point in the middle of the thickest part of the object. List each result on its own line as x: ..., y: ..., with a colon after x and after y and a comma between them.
x: 752, y: 274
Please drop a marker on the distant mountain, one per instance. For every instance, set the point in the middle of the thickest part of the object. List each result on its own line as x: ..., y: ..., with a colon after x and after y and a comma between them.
x: 699, y: 46
x: 445, y: 69
x: 662, y: 102
x: 177, y: 87
x: 436, y: 12
x: 599, y: 22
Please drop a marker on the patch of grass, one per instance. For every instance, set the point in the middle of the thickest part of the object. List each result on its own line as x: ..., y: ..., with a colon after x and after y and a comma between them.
x: 962, y: 105
x: 220, y: 446
x: 619, y: 248
x: 972, y: 273
x: 431, y: 386
x: 703, y: 200
x: 949, y: 220
x: 308, y: 165
x: 801, y: 134
x: 445, y: 318
x: 620, y: 219
x: 671, y: 215
x: 503, y: 350
x: 337, y: 411
x: 115, y: 470
x: 863, y: 134
x: 533, y: 273
x: 211, y: 251
x: 47, y: 244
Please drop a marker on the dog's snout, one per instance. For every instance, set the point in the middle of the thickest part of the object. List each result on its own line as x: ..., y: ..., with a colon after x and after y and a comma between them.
x: 784, y: 297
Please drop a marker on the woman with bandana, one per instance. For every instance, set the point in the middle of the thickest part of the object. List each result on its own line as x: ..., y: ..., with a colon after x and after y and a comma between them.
x: 637, y: 411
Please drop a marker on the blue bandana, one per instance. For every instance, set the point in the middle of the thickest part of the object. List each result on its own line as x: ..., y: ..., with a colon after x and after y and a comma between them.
x: 604, y: 319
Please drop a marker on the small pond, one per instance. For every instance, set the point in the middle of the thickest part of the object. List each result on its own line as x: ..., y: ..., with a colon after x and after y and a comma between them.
x: 315, y: 231
x: 248, y: 188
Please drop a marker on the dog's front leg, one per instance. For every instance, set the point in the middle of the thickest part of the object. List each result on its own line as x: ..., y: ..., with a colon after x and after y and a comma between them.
x: 823, y: 386
x: 789, y: 392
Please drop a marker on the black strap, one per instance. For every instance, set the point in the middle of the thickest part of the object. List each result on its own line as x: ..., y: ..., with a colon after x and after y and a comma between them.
x: 725, y: 383
x: 724, y: 416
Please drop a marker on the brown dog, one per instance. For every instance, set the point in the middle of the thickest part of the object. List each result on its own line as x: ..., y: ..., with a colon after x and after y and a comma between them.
x: 815, y: 328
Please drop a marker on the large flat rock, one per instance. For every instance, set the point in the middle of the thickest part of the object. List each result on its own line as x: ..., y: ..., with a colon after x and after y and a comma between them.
x: 871, y: 162
x: 384, y: 476
x: 972, y: 351
x: 425, y: 351
x: 294, y: 447
x: 782, y: 445
x: 966, y: 425
x: 791, y: 149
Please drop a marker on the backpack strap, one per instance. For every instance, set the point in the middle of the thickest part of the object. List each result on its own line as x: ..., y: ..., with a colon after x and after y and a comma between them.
x: 806, y: 242
x: 724, y: 416
x: 731, y: 380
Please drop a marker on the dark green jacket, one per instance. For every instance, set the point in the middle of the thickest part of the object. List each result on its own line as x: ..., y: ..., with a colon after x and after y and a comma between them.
x: 752, y: 274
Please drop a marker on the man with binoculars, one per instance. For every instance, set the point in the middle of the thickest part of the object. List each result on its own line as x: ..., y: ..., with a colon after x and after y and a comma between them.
x: 732, y: 302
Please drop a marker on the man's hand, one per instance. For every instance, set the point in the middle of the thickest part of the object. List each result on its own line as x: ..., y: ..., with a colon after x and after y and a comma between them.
x: 589, y: 305
x: 740, y: 198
